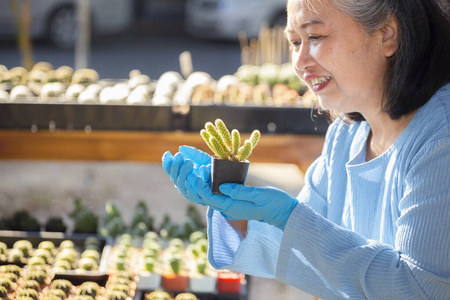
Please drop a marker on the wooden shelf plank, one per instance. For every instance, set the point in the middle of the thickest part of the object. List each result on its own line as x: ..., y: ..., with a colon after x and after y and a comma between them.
x: 301, y: 150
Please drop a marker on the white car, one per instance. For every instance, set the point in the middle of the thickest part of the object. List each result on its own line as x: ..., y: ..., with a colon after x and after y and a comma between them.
x: 57, y: 19
x: 224, y: 19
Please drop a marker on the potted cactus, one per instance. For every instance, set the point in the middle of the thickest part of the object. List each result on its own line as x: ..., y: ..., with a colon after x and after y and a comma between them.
x: 202, y: 277
x: 186, y: 296
x: 150, y: 271
x: 158, y: 295
x: 174, y: 277
x: 230, y: 164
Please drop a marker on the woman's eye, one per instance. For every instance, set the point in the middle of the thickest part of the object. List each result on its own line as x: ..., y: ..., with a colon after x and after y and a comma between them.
x: 313, y: 38
x: 295, y: 44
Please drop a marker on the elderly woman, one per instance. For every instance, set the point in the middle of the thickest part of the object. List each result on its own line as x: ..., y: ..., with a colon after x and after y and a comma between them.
x: 373, y: 219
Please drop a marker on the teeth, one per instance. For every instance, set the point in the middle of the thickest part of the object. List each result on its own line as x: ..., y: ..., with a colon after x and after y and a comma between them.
x: 319, y: 80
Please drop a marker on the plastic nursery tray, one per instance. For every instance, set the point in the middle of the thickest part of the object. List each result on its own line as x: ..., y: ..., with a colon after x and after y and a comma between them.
x: 140, y: 295
x: 294, y: 120
x: 78, y: 116
x: 100, y: 276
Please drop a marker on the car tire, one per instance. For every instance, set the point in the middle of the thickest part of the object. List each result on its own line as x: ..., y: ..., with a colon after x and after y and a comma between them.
x: 62, y: 27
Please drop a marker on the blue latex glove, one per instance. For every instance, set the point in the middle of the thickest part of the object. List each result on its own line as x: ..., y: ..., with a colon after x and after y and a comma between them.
x: 188, y: 160
x: 240, y: 202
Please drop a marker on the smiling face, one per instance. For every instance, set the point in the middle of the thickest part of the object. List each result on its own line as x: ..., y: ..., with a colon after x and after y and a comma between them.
x: 342, y: 64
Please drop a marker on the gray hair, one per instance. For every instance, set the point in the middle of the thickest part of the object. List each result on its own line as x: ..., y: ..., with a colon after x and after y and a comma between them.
x: 370, y: 14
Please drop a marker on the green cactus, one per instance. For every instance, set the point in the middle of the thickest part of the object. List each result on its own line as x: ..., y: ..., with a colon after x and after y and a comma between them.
x: 201, y: 265
x: 149, y: 263
x: 62, y: 284
x: 245, y: 151
x: 226, y: 145
x: 254, y: 138
x: 205, y: 135
x: 25, y: 246
x: 212, y: 130
x: 116, y: 295
x: 89, y: 288
x: 158, y: 295
x: 3, y: 248
x: 32, y: 294
x: 224, y: 133
x: 236, y: 140
x: 175, y: 263
x: 218, y: 148
x: 59, y: 294
x: 186, y: 296
x: 29, y: 284
x: 3, y: 292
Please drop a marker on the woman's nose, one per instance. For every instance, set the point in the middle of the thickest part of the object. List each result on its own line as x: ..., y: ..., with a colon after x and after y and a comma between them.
x: 302, y: 58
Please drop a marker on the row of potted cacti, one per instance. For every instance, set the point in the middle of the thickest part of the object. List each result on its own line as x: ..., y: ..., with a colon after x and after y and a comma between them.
x: 61, y: 258
x: 250, y: 85
x: 38, y: 282
x: 174, y: 265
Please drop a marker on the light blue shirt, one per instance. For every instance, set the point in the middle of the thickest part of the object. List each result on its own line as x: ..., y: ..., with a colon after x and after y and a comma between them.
x: 363, y: 230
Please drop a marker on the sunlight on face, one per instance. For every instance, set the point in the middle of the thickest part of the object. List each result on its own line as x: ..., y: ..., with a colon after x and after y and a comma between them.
x: 334, y: 56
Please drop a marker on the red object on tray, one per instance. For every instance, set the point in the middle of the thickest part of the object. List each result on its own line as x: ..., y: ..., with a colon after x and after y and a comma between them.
x: 229, y: 282
x: 174, y: 282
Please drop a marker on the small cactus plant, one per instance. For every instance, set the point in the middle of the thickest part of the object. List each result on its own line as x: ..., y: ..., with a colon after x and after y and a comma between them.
x: 149, y: 263
x: 226, y: 145
x: 158, y: 295
x: 201, y: 265
x: 175, y: 263
x: 186, y: 296
x: 62, y: 284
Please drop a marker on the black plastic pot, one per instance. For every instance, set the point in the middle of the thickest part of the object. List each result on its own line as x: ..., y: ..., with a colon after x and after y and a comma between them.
x: 228, y: 171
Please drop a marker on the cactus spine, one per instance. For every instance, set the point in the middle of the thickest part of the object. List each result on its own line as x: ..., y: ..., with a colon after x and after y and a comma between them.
x: 224, y: 133
x: 218, y: 148
x: 245, y: 151
x: 236, y: 140
x: 205, y: 135
x: 254, y: 138
x: 226, y: 145
x: 211, y: 129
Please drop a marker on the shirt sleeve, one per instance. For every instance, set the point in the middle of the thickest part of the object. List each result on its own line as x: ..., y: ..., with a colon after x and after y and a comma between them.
x: 314, y: 191
x: 331, y: 262
x: 255, y: 255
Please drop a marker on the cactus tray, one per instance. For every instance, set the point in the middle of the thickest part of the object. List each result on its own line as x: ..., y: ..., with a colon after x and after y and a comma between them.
x: 35, y: 238
x: 79, y: 116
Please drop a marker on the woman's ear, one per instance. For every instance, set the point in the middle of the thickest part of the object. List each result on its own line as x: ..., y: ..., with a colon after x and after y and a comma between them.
x: 390, y: 37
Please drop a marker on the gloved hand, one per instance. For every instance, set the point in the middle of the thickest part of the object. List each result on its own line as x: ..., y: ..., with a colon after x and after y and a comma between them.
x: 240, y: 202
x: 187, y: 161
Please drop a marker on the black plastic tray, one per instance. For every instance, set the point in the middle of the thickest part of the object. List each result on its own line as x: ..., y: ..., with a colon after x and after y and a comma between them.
x: 267, y: 119
x: 100, y: 276
x: 78, y: 116
x: 295, y: 120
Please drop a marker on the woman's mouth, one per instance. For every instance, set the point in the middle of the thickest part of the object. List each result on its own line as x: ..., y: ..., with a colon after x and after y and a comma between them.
x: 318, y: 83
